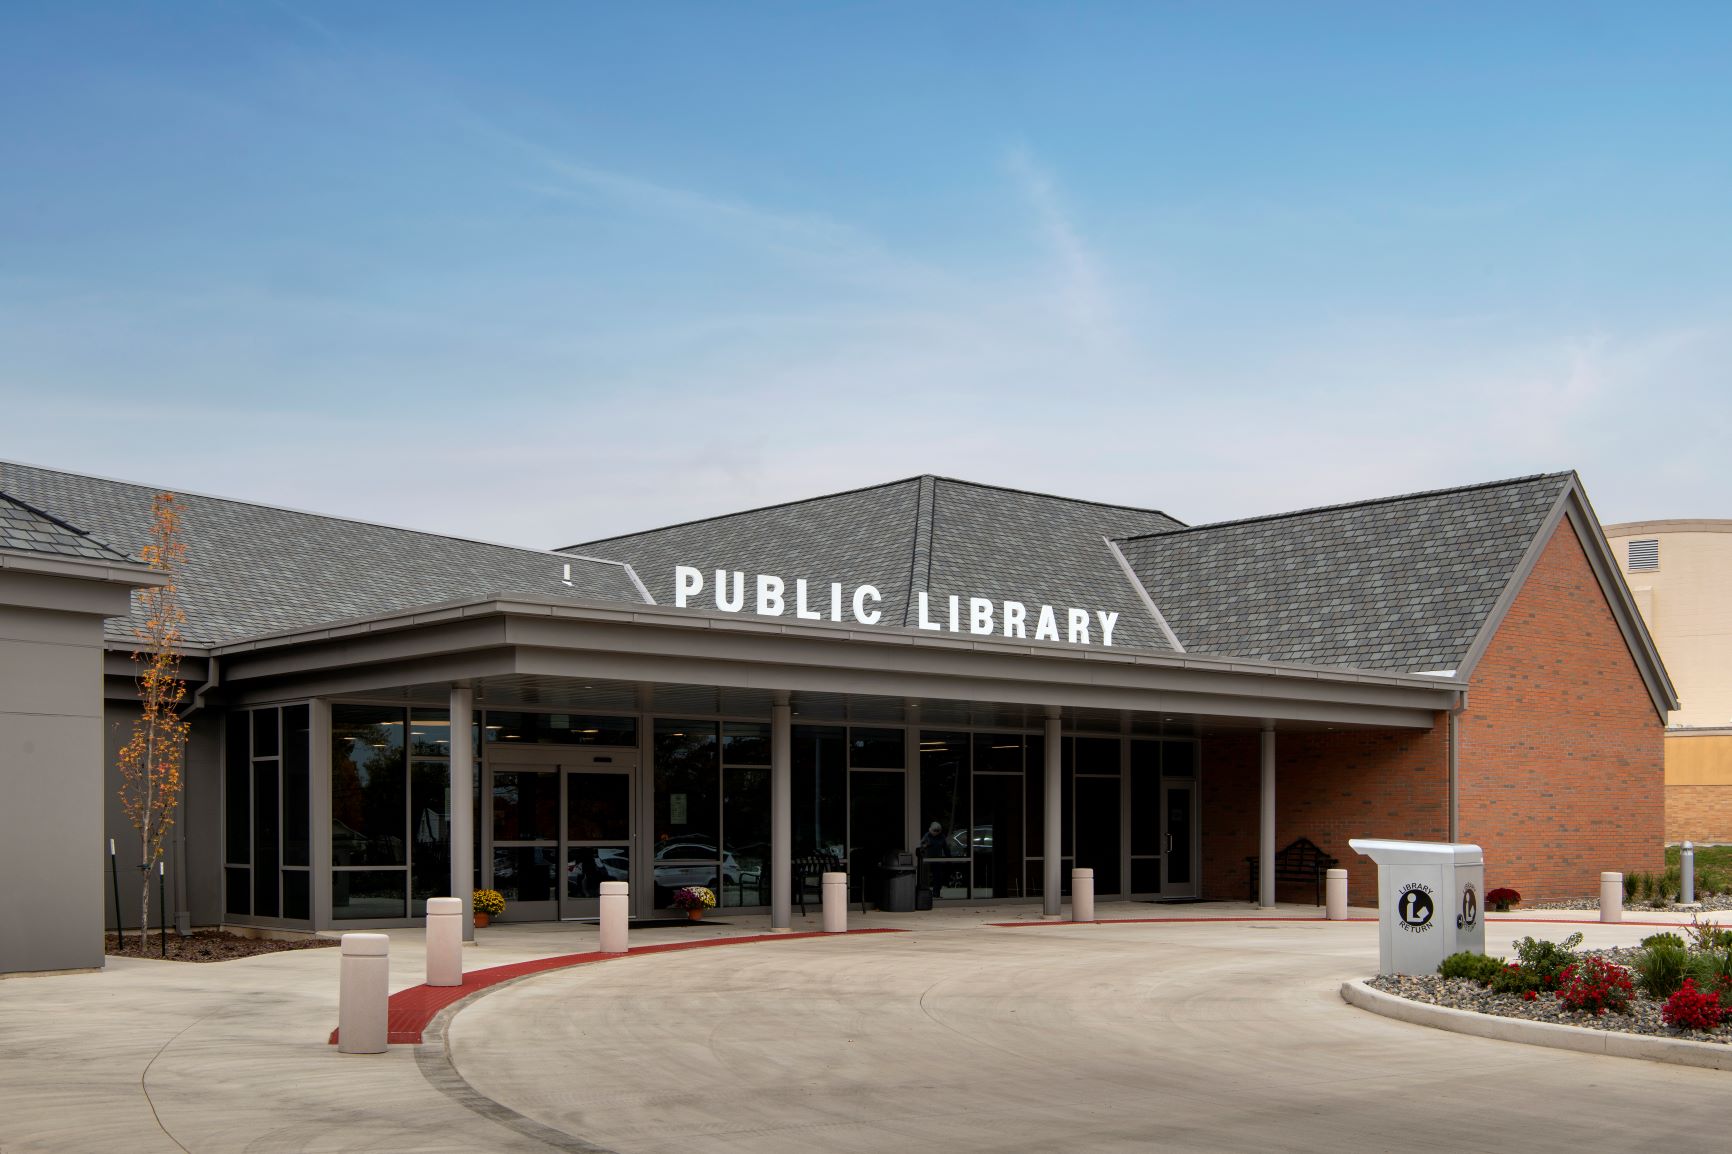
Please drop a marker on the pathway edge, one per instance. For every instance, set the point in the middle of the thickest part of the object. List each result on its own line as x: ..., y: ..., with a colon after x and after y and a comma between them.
x: 1679, y: 1051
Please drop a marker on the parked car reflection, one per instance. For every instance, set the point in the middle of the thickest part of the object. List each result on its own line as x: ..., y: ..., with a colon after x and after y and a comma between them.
x: 679, y: 862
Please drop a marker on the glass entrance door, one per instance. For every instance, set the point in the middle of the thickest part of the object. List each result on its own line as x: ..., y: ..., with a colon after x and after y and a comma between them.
x: 597, y: 837
x: 1179, y: 839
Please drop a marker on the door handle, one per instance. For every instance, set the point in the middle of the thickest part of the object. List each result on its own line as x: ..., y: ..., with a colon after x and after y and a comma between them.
x: 1169, y: 843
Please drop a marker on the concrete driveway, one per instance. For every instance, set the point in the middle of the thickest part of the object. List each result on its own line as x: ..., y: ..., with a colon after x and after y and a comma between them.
x: 1164, y: 1036
x: 957, y: 1036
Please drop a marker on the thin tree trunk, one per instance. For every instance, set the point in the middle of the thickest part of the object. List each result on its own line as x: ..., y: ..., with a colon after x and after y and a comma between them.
x: 144, y: 835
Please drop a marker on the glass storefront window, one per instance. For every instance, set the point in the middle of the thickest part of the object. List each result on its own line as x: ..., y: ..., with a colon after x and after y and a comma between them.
x: 1034, y: 798
x: 526, y: 873
x: 1179, y: 758
x: 820, y: 789
x: 368, y: 810
x: 297, y: 794
x: 430, y: 830
x: 745, y: 743
x: 876, y: 749
x: 998, y: 753
x: 746, y: 837
x: 362, y: 894
x: 997, y: 836
x: 944, y: 791
x: 509, y: 727
x: 1145, y: 806
x: 687, y: 797
x: 267, y: 799
x: 526, y: 805
x: 1097, y: 755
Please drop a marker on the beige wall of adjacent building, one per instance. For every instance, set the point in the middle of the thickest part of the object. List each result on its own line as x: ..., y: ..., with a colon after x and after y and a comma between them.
x: 1687, y: 604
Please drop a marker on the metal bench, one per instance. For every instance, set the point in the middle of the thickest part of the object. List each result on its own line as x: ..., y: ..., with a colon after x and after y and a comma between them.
x: 812, y: 867
x: 1300, y: 862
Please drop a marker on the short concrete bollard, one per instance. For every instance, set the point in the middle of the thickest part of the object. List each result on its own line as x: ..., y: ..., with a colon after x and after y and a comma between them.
x: 1335, y: 894
x: 1687, y: 875
x: 615, y: 916
x: 835, y: 888
x: 1611, y: 897
x: 1082, y: 895
x: 444, y: 941
x: 364, y: 995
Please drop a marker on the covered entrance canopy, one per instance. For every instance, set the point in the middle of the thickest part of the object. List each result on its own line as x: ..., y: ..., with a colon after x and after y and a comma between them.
x: 585, y: 802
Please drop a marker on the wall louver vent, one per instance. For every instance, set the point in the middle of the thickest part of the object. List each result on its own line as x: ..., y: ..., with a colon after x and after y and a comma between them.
x: 1644, y: 555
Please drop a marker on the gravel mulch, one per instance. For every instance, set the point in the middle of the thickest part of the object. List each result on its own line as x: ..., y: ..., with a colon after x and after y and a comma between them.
x: 1718, y: 903
x: 1462, y: 994
x: 211, y: 946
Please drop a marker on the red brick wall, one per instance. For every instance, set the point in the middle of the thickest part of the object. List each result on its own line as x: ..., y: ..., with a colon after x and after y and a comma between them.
x: 1328, y: 787
x: 1699, y: 813
x: 1561, y: 766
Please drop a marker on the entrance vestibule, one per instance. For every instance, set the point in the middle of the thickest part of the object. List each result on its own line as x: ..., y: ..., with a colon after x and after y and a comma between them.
x: 561, y: 823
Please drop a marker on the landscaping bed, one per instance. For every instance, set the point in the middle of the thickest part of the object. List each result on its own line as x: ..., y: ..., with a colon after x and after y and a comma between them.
x: 210, y: 946
x: 1671, y: 986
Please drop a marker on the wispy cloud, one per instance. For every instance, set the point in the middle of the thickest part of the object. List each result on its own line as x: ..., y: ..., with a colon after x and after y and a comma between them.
x: 1081, y: 282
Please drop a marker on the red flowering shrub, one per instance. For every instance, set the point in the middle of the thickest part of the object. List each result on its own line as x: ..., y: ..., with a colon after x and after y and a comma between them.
x: 1502, y: 898
x: 1596, y: 984
x: 1693, y: 1009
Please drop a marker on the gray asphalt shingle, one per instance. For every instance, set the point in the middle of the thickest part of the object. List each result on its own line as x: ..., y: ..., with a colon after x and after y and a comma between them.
x: 33, y: 531
x: 253, y: 569
x: 924, y: 533
x: 1403, y: 583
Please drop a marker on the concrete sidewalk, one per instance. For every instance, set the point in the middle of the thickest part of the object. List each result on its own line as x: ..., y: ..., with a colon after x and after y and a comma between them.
x: 1179, y: 1032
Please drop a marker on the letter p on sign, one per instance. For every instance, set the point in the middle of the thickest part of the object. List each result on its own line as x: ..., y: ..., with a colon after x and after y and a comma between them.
x: 688, y: 582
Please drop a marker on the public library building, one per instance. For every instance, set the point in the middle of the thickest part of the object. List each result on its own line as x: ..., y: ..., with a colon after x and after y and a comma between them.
x: 1018, y: 683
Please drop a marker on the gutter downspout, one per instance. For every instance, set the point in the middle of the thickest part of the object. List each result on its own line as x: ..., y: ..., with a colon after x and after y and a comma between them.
x: 1455, y: 768
x: 182, y: 909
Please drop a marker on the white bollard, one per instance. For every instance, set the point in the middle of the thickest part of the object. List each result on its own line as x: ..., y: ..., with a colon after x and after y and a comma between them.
x: 1611, y: 897
x: 364, y: 994
x: 835, y: 887
x: 615, y: 916
x: 444, y: 941
x: 1082, y: 895
x: 1335, y: 895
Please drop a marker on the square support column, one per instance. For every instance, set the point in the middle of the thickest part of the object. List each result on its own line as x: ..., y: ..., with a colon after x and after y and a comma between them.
x: 781, y: 813
x: 462, y: 804
x: 1266, y: 821
x: 319, y: 764
x: 1053, y: 862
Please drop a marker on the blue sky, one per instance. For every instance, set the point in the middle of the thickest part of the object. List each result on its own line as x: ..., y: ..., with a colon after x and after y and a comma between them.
x: 540, y: 273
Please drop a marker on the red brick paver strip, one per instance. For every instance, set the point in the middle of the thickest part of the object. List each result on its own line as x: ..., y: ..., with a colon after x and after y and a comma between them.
x: 412, y: 1009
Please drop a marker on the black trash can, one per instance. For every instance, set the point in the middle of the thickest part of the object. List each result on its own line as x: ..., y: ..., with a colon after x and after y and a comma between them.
x: 898, y: 875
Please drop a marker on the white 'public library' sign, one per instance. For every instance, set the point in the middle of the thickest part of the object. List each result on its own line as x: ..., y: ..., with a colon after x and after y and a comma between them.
x: 981, y: 615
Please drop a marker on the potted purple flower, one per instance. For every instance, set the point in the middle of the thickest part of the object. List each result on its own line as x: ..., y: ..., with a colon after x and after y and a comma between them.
x: 694, y: 900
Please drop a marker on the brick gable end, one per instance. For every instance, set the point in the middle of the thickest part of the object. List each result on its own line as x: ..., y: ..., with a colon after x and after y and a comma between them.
x: 1561, y: 765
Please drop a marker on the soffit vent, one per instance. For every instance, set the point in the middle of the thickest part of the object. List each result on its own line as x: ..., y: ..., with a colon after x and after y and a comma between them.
x: 1644, y: 555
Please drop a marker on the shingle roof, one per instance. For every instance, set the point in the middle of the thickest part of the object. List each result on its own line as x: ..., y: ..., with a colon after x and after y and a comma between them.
x: 1402, y: 583
x: 33, y: 531
x: 253, y: 569
x: 926, y: 533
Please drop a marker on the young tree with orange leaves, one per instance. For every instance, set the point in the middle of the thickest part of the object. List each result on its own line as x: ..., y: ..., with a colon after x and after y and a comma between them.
x: 150, y: 762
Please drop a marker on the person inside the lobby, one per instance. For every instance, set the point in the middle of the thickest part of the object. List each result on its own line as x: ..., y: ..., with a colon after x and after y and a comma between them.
x: 932, y: 846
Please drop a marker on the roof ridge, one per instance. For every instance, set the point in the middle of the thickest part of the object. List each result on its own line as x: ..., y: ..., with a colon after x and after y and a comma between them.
x: 744, y: 512
x: 180, y: 492
x: 920, y: 544
x: 1053, y: 496
x: 14, y: 499
x: 1314, y: 509
x: 916, y: 478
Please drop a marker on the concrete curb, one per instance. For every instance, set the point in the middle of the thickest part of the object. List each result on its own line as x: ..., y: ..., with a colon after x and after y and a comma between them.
x: 1679, y: 1051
